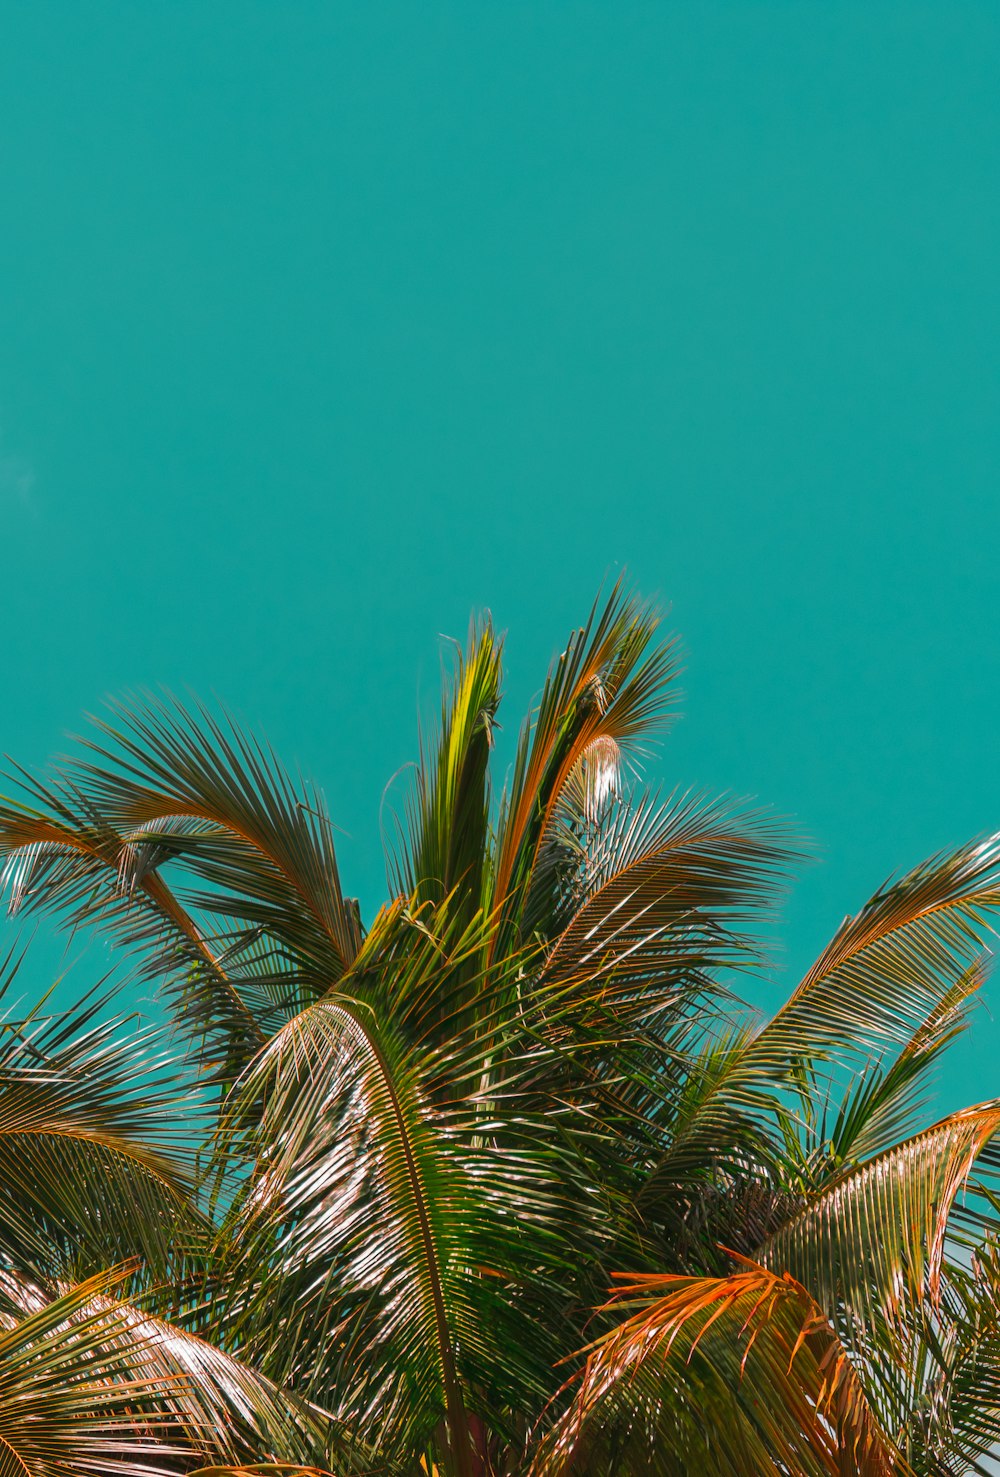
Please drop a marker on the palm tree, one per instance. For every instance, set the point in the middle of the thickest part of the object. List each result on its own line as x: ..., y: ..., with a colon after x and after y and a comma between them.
x: 507, y: 1181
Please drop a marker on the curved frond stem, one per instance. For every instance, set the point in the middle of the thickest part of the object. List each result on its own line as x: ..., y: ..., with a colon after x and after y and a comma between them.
x: 301, y: 1048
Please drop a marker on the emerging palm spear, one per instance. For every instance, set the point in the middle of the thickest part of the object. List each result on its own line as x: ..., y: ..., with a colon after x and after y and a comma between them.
x: 368, y: 1219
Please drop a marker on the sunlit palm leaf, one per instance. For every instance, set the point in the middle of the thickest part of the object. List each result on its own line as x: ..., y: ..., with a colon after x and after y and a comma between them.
x: 945, y: 1394
x: 665, y: 890
x: 263, y: 1469
x: 882, y: 1104
x: 410, y: 1232
x: 888, y: 967
x: 82, y: 1368
x: 875, y: 1240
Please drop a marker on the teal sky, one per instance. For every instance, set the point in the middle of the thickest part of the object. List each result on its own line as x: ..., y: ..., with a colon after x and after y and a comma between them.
x: 322, y: 325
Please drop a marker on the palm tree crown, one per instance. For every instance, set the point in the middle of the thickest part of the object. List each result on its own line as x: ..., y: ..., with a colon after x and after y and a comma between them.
x: 505, y: 1181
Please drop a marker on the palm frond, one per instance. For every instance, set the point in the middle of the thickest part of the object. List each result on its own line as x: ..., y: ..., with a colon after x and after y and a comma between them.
x: 172, y: 789
x: 882, y: 1104
x: 265, y: 844
x: 875, y: 1240
x: 664, y: 897
x: 89, y: 1383
x: 719, y: 1377
x: 70, y: 1402
x: 68, y: 860
x: 610, y: 687
x: 889, y: 971
x: 887, y: 968
x: 95, y: 1156
x: 450, y: 809
x: 415, y: 1215
x: 944, y: 1395
x: 262, y: 1469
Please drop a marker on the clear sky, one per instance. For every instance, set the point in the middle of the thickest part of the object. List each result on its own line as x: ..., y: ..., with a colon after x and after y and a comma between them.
x: 323, y: 324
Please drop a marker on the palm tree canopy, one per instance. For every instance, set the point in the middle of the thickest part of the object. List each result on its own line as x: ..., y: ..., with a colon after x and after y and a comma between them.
x: 360, y: 1209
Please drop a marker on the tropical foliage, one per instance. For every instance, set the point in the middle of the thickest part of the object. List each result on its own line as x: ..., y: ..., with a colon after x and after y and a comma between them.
x: 506, y: 1180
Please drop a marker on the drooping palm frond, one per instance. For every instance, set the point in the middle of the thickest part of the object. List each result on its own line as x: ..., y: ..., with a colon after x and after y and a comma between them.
x: 173, y: 790
x: 68, y: 860
x: 881, y: 1106
x: 720, y: 1378
x: 70, y: 1403
x: 875, y: 1240
x: 663, y: 900
x: 886, y: 977
x: 888, y: 967
x: 267, y: 846
x: 91, y: 1385
x: 95, y: 1146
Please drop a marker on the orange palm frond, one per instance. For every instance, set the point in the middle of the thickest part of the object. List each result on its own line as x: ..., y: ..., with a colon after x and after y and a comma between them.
x: 719, y: 1376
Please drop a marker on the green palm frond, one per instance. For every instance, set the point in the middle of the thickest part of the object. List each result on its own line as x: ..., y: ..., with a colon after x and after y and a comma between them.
x: 90, y: 1118
x: 267, y: 845
x: 663, y: 898
x: 889, y: 967
x: 394, y: 1228
x: 71, y: 1401
x: 883, y: 1103
x: 449, y: 821
x: 89, y: 1383
x: 262, y: 1469
x: 944, y: 1394
x: 68, y: 860
x: 883, y: 981
x: 268, y: 1469
x: 170, y: 790
x: 876, y: 1238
